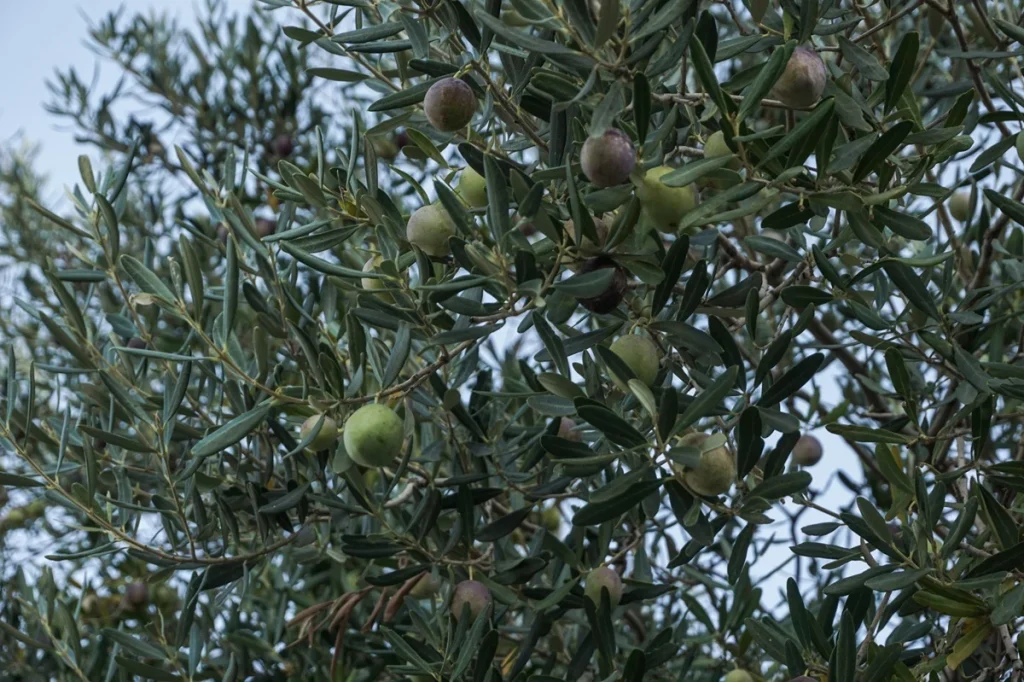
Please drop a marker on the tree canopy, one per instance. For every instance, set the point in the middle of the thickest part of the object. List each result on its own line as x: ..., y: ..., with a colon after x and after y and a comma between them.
x: 499, y: 340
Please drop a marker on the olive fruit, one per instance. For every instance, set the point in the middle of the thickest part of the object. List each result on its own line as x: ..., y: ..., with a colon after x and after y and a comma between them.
x: 282, y: 146
x: 608, y: 159
x: 14, y: 519
x: 136, y: 596
x: 473, y: 188
x: 716, y: 146
x: 609, y: 299
x: 91, y: 605
x: 375, y: 284
x: 665, y: 206
x: 640, y: 355
x: 136, y: 342
x: 384, y: 148
x: 716, y: 471
x: 429, y: 228
x: 551, y: 518
x: 603, y: 578
x: 567, y: 429
x: 426, y: 587
x: 960, y: 206
x: 807, y: 451
x: 373, y: 435
x: 739, y: 676
x: 265, y: 227
x: 803, y: 80
x: 449, y: 104
x: 471, y: 593
x: 325, y: 438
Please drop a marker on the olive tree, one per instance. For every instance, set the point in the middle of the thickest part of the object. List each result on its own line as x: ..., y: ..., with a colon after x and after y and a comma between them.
x: 465, y: 340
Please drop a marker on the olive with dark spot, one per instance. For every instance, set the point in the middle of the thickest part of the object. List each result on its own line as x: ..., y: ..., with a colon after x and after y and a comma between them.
x: 610, y: 298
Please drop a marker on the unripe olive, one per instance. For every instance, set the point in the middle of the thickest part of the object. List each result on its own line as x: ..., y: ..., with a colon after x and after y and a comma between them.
x: 739, y: 676
x: 91, y: 606
x: 429, y: 228
x: 373, y: 435
x: 325, y: 438
x: 473, y: 188
x: 384, y: 148
x: 282, y: 146
x: 449, y: 104
x: 960, y: 206
x: 716, y: 146
x: 936, y: 22
x: 716, y: 471
x: 375, y: 284
x: 136, y: 342
x: 473, y: 593
x: 640, y: 355
x: 136, y: 596
x: 608, y: 158
x: 552, y: 519
x: 807, y: 451
x: 665, y: 206
x: 603, y: 578
x: 426, y: 587
x: 609, y: 299
x: 265, y: 227
x: 567, y: 429
x: 803, y: 81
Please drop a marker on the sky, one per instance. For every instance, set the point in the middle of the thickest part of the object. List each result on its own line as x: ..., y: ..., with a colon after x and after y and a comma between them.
x: 39, y: 37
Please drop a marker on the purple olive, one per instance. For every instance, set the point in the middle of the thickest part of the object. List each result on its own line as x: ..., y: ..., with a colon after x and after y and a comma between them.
x: 449, y: 104
x: 610, y: 298
x: 608, y: 159
x: 803, y: 81
x: 472, y: 593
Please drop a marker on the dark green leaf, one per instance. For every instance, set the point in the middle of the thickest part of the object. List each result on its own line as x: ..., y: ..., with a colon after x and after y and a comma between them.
x: 791, y: 382
x: 504, y: 526
x: 901, y: 69
x: 608, y: 509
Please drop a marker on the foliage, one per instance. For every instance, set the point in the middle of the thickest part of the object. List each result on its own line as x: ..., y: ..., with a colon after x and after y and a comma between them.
x: 234, y: 264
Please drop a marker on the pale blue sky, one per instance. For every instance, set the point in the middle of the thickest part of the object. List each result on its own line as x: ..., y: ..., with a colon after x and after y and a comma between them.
x: 38, y: 37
